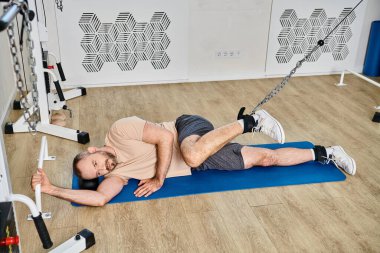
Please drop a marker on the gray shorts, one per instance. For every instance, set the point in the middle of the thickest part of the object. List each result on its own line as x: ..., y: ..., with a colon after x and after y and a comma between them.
x: 227, y: 158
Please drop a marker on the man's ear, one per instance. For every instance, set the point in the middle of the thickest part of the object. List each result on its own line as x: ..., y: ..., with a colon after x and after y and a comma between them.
x: 92, y: 149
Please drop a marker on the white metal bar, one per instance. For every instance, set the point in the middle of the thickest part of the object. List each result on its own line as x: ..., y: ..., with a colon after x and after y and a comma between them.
x: 40, y: 166
x: 46, y: 150
x: 45, y: 215
x: 73, y: 93
x: 59, y: 131
x: 74, y: 244
x: 52, y: 74
x: 364, y: 78
x: 48, y: 157
x: 54, y: 56
x: 21, y: 120
x: 341, y: 83
x: 63, y: 132
x: 360, y: 76
x: 42, y: 152
x: 341, y: 80
x: 20, y: 128
x: 27, y: 201
x: 37, y: 193
x: 42, y: 96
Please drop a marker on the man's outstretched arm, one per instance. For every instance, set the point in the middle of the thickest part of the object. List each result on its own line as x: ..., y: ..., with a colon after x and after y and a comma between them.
x: 108, y: 189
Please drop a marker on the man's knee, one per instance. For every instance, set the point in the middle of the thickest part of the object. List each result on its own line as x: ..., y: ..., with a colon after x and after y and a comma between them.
x: 192, y: 158
x: 190, y: 152
x: 269, y: 158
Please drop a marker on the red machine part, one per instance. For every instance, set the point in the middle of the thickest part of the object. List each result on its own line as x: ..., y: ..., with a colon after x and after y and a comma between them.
x: 9, y: 241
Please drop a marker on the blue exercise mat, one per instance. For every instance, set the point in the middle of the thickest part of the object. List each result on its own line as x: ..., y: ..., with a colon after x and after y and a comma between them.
x: 216, y: 181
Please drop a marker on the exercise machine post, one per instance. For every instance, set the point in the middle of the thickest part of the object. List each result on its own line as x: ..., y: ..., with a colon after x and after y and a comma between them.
x: 43, y: 156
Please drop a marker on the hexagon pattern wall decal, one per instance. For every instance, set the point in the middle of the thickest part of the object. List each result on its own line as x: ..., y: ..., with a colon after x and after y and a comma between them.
x: 300, y: 35
x: 125, y: 42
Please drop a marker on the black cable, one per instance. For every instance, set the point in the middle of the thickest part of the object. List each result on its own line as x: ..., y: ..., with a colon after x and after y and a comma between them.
x: 342, y: 20
x: 35, y: 5
x: 43, y: 6
x: 22, y: 32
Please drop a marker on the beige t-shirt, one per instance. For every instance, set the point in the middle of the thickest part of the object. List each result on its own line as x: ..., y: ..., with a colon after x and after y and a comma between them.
x: 137, y: 159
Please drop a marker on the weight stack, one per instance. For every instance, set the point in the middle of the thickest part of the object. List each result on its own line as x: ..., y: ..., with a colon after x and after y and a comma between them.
x: 372, y: 58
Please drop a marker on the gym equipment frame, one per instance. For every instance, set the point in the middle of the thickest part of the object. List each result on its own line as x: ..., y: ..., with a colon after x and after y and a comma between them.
x: 78, y: 243
x: 43, y: 125
x: 81, y: 241
x: 341, y: 83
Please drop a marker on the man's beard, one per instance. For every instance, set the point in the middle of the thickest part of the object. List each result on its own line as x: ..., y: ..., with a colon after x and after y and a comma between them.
x: 111, y: 160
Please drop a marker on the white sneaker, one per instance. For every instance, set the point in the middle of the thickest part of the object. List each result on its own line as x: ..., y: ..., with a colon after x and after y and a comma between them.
x: 341, y: 159
x: 269, y: 126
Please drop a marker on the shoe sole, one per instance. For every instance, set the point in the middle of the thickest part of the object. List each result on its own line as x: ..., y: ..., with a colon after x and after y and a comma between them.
x: 352, y: 161
x: 278, y: 123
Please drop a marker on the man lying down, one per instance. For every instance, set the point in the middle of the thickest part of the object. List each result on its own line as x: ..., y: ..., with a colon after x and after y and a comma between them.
x: 150, y: 152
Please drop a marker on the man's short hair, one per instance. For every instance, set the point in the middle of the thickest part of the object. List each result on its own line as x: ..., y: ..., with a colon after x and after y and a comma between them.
x: 76, y: 160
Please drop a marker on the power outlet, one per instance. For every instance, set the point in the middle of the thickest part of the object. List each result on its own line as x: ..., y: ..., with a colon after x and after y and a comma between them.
x: 227, y: 53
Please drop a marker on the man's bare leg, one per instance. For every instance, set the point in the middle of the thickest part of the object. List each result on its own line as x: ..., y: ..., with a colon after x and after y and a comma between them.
x: 253, y: 156
x: 196, y: 149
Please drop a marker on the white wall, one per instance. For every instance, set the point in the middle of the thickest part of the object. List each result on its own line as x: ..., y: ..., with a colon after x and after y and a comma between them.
x: 214, y: 25
x: 224, y: 25
x: 230, y: 25
x: 244, y: 24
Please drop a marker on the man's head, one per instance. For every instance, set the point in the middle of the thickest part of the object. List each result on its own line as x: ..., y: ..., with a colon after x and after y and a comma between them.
x: 93, y: 163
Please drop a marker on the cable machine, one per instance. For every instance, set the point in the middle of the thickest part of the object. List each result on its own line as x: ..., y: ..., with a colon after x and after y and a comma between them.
x: 41, y: 100
x: 36, y: 117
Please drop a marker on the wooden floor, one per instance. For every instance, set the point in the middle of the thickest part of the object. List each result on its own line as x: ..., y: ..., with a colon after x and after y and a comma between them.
x: 328, y: 217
